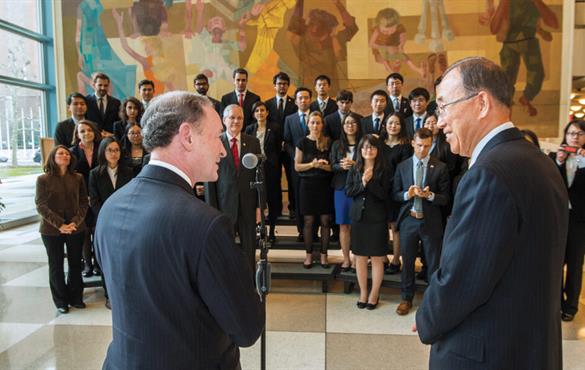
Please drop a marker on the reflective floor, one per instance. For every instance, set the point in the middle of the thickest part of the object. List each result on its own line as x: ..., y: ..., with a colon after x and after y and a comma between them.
x: 306, y: 329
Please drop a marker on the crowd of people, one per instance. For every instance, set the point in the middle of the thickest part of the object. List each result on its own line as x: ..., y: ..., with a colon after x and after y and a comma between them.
x: 355, y: 178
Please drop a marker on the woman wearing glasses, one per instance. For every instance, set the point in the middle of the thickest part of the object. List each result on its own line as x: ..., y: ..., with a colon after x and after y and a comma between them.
x: 368, y: 183
x: 570, y: 159
x: 132, y: 150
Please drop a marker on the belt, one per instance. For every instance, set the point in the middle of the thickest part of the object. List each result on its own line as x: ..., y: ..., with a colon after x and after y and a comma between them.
x: 418, y: 216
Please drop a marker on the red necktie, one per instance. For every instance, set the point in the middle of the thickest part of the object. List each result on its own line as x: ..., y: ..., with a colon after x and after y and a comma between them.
x: 235, y: 153
x: 241, y: 100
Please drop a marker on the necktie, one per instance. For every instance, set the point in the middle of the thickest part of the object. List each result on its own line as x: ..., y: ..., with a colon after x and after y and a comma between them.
x: 322, y: 106
x: 241, y: 100
x: 418, y: 123
x: 304, y: 124
x: 418, y: 205
x: 101, y: 106
x: 396, y: 105
x: 376, y: 124
x: 235, y: 153
x: 281, y: 106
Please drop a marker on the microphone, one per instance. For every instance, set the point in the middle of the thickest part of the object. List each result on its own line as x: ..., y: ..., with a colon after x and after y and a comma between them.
x: 251, y: 160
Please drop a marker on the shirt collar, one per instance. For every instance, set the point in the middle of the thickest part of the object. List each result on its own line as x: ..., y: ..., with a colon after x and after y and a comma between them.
x: 425, y: 160
x: 483, y: 142
x: 230, y: 137
x: 306, y: 113
x: 243, y: 92
x: 75, y: 120
x: 322, y: 101
x: 98, y: 98
x: 170, y: 167
x: 380, y: 116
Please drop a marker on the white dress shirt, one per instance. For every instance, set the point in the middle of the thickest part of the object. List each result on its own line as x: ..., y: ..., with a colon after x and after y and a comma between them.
x: 483, y: 142
x: 170, y: 167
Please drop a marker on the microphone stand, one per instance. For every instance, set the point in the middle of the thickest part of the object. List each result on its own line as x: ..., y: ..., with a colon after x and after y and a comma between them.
x: 263, y: 269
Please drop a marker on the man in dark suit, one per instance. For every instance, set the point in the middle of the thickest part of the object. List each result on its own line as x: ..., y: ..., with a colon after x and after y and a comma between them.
x: 146, y: 92
x: 375, y: 122
x: 334, y: 121
x: 418, y: 100
x: 421, y: 184
x: 231, y: 193
x: 324, y: 103
x: 241, y: 96
x: 181, y: 292
x: 295, y: 128
x: 102, y: 108
x: 396, y: 102
x: 201, y: 85
x: 279, y: 107
x: 77, y: 106
x: 494, y: 301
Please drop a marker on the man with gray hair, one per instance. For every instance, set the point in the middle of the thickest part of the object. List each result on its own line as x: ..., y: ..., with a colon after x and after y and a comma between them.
x: 231, y: 193
x: 182, y: 295
x: 493, y: 303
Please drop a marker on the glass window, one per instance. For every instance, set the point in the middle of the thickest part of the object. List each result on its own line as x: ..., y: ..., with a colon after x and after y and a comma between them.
x: 23, y: 13
x: 21, y: 57
x: 22, y: 118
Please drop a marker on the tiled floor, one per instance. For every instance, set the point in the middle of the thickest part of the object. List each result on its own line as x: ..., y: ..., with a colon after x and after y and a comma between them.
x: 305, y: 328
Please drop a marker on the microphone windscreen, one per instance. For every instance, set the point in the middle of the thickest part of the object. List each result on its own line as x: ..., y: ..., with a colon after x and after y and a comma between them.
x: 250, y: 161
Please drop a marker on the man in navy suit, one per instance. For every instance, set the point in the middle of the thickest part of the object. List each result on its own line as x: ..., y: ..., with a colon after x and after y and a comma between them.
x: 324, y: 103
x: 396, y: 102
x: 201, y: 85
x: 375, y: 122
x: 279, y: 107
x: 494, y: 301
x: 418, y: 100
x: 77, y: 106
x: 421, y: 184
x: 231, y: 193
x: 241, y: 96
x: 181, y: 292
x: 295, y: 128
x: 146, y: 92
x: 334, y: 121
x: 102, y: 108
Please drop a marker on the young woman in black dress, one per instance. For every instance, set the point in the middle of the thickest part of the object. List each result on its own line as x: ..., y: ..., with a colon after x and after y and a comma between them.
x: 316, y: 196
x: 368, y: 183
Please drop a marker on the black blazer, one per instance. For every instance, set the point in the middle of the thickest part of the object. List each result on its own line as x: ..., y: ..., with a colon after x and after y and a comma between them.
x: 405, y: 110
x: 105, y: 122
x: 120, y: 130
x: 368, y: 125
x: 371, y: 199
x: 442, y: 151
x: 82, y: 166
x: 272, y: 141
x: 192, y: 301
x: 576, y: 191
x: 293, y: 132
x: 331, y: 107
x: 334, y: 126
x: 437, y: 179
x: 274, y: 115
x: 339, y: 174
x: 249, y: 100
x: 500, y: 268
x: 100, y: 186
x: 64, y: 132
x: 409, y: 122
x: 216, y: 105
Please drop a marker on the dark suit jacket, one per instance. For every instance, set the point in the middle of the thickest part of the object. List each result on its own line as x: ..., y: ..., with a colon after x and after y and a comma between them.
x: 437, y: 179
x: 576, y: 191
x: 231, y: 193
x: 105, y: 122
x: 182, y: 295
x: 370, y: 199
x: 329, y: 108
x: 82, y: 165
x: 272, y: 141
x: 334, y: 126
x: 404, y: 107
x: 249, y: 100
x: 339, y: 174
x: 216, y: 105
x: 293, y: 132
x: 368, y: 125
x: 64, y: 132
x: 494, y: 301
x: 409, y: 122
x: 100, y: 186
x: 273, y: 115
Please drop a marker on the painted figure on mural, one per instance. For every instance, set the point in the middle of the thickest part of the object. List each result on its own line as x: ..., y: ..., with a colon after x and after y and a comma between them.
x: 94, y: 53
x: 319, y: 48
x: 388, y: 40
x: 516, y: 24
x: 149, y: 18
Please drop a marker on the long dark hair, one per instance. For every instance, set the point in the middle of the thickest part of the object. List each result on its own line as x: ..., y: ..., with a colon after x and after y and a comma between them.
x: 136, y: 102
x: 379, y: 163
x: 577, y: 122
x: 401, y: 135
x: 101, y: 157
x: 51, y: 167
x: 343, y: 140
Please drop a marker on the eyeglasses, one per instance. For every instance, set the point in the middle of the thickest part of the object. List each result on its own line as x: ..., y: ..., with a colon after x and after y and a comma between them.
x: 441, y: 107
x: 348, y: 123
x: 576, y: 133
x: 369, y: 147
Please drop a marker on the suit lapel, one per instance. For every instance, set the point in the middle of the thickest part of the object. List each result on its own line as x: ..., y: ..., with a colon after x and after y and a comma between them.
x: 430, y: 172
x: 502, y: 137
x: 228, y: 150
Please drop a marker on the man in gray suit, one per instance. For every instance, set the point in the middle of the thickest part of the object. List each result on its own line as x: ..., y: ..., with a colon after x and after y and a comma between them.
x: 181, y: 293
x: 494, y: 301
x: 231, y: 193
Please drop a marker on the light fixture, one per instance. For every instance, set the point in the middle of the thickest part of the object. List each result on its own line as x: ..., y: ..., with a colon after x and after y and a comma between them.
x: 579, y: 115
x: 582, y: 101
x: 573, y: 95
x: 575, y: 108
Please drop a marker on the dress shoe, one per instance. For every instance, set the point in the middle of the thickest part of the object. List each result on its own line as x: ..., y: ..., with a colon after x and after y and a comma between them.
x: 87, y: 272
x: 79, y: 305
x: 64, y: 309
x: 372, y: 306
x: 324, y: 262
x: 271, y: 239
x: 292, y: 214
x: 345, y: 268
x: 361, y: 305
x: 97, y: 271
x: 307, y: 266
x: 108, y: 305
x: 422, y: 275
x: 393, y: 269
x: 404, y: 308
x: 567, y: 316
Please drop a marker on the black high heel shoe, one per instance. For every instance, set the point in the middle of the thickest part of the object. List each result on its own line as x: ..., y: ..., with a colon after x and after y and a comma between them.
x: 372, y: 306
x: 326, y: 264
x: 361, y: 305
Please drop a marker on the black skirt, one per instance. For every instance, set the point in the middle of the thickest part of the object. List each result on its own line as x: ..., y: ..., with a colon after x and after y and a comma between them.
x: 369, y: 239
x: 316, y: 195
